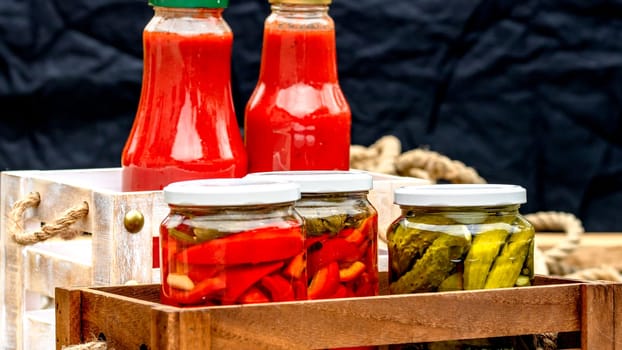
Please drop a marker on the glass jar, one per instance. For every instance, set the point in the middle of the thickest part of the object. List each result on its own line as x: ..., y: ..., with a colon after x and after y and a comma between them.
x: 185, y: 126
x: 342, y: 231
x: 232, y: 241
x: 459, y: 237
x: 297, y: 117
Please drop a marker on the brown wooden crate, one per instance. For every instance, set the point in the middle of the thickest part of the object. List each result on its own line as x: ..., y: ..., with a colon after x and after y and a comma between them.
x: 130, y: 317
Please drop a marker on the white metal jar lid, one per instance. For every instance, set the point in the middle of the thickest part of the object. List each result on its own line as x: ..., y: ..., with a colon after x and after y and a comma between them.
x: 454, y: 195
x: 225, y: 192
x: 321, y: 181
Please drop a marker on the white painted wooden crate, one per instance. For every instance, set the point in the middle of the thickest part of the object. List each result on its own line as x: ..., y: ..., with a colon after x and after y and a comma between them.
x: 107, y: 255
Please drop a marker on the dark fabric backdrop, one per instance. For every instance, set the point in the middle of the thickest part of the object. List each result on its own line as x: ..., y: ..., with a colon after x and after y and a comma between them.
x: 527, y: 92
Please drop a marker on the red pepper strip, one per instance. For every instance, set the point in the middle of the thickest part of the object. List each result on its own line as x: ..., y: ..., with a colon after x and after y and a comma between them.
x: 325, y: 282
x: 249, y: 247
x: 206, y: 288
x: 198, y: 273
x: 280, y: 289
x: 311, y: 240
x: 341, y: 292
x: 335, y: 249
x: 366, y: 285
x: 300, y: 289
x: 356, y: 237
x: 351, y: 272
x: 240, y: 278
x: 296, y: 266
x: 253, y: 296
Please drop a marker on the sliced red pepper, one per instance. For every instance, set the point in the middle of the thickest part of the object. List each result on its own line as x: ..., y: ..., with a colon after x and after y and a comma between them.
x: 296, y: 266
x: 366, y: 285
x: 311, y: 240
x: 240, y: 278
x: 356, y: 237
x: 351, y: 272
x: 341, y: 292
x: 253, y: 296
x: 249, y: 247
x: 198, y: 273
x: 365, y: 230
x: 335, y: 249
x: 300, y: 289
x: 280, y: 289
x: 325, y: 282
x: 207, y: 288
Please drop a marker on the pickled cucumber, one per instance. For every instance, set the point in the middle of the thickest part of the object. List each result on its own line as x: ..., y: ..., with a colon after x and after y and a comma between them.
x: 482, y: 254
x: 408, y: 244
x: 453, y: 282
x: 508, y: 265
x: 434, y: 266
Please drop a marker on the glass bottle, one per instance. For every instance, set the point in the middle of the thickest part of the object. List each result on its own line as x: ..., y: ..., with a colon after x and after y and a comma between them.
x: 297, y: 117
x: 185, y: 127
x: 232, y: 241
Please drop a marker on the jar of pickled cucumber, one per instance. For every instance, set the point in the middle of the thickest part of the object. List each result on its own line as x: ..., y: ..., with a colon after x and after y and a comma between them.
x: 459, y: 237
x: 232, y: 241
x: 342, y: 231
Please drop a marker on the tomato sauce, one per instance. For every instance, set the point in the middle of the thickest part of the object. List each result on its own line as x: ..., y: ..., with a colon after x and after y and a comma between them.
x: 185, y: 126
x: 298, y: 117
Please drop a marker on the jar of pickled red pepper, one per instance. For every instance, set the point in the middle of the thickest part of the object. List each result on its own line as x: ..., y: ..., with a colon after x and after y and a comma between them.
x: 459, y: 237
x: 232, y: 241
x: 185, y: 126
x: 297, y: 117
x: 342, y: 230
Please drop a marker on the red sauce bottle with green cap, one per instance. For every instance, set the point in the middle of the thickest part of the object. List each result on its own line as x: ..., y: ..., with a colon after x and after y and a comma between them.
x: 298, y: 118
x: 185, y: 127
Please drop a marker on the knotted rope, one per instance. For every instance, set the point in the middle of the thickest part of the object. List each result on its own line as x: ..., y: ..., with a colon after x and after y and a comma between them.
x: 95, y: 345
x: 60, y: 226
x: 553, y: 221
x: 384, y: 157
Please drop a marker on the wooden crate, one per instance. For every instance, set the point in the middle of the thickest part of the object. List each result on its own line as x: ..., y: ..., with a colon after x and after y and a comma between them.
x: 107, y: 255
x: 586, y: 315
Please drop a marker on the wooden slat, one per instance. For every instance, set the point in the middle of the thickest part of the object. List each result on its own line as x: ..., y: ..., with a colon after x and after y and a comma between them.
x: 597, y: 315
x: 68, y: 317
x: 401, y: 319
x: 617, y: 315
x: 128, y: 323
x: 125, y: 322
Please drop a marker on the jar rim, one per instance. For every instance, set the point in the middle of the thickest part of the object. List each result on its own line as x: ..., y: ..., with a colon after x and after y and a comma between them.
x: 460, y: 195
x: 321, y: 181
x: 230, y: 192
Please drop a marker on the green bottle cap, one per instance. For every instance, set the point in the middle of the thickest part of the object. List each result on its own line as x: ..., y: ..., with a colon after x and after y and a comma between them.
x: 190, y: 3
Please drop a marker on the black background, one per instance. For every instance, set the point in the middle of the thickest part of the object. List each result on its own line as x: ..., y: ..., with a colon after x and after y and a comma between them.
x: 526, y: 92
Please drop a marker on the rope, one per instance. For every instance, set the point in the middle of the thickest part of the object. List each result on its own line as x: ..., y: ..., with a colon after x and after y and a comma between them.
x: 60, y: 226
x: 552, y: 221
x: 379, y: 157
x: 437, y: 166
x: 95, y: 345
x: 603, y: 273
x: 384, y: 157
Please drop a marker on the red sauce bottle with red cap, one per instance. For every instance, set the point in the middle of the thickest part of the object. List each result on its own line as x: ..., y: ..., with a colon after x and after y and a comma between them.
x: 185, y: 127
x: 297, y: 117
